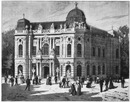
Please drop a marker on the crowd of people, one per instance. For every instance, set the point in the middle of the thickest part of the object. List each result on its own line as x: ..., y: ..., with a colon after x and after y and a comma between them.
x: 65, y: 82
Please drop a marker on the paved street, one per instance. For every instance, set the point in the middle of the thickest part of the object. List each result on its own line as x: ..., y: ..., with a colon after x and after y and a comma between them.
x: 54, y: 93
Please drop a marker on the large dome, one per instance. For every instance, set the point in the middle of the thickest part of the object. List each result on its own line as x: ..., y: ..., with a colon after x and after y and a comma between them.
x: 76, y: 15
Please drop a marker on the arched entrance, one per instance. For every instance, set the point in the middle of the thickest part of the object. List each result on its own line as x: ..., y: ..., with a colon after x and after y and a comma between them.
x: 68, y: 70
x: 46, y: 71
x: 20, y: 70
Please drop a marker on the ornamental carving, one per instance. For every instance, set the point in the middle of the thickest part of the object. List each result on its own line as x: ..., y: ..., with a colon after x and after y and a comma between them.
x: 40, y: 27
x: 78, y: 62
x: 87, y: 63
x: 45, y: 39
x: 57, y: 41
x: 68, y: 62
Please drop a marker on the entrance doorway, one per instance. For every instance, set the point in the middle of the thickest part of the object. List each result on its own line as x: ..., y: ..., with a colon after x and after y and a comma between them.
x: 46, y: 71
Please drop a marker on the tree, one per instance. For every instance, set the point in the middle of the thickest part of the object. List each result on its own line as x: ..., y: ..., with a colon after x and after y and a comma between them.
x: 8, y: 52
x: 123, y: 33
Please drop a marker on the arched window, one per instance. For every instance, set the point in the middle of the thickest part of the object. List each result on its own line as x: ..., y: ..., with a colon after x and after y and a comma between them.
x: 69, y: 50
x: 20, y: 50
x: 103, y: 69
x: 93, y: 51
x: 45, y: 49
x: 94, y: 70
x: 117, y: 70
x: 79, y: 50
x: 103, y: 52
x: 98, y: 52
x: 79, y: 70
x: 99, y: 70
x: 117, y: 53
x: 88, y: 69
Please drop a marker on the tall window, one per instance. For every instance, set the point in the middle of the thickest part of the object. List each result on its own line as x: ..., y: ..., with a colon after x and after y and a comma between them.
x: 20, y: 50
x: 117, y: 53
x: 94, y: 70
x: 57, y: 50
x: 45, y: 49
x: 99, y: 70
x: 103, y: 69
x: 34, y: 50
x: 88, y: 69
x: 79, y: 70
x: 98, y: 52
x: 93, y: 51
x: 79, y: 50
x: 103, y: 52
x: 117, y: 70
x: 69, y: 50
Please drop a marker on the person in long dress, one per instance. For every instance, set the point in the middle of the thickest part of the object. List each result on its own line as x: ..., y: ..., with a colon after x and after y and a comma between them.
x: 78, y: 88
x: 122, y: 82
x: 111, y: 83
x: 73, y: 90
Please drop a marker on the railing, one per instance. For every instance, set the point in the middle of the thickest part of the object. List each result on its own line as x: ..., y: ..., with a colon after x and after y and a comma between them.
x: 47, y: 31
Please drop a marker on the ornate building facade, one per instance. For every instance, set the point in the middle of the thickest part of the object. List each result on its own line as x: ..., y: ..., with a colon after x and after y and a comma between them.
x: 71, y: 47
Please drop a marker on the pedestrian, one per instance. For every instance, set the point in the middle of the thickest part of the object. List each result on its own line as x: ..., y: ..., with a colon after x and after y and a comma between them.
x: 106, y: 83
x: 63, y: 82
x: 67, y: 82
x: 101, y: 83
x: 73, y: 90
x: 122, y: 82
x: 111, y: 83
x: 36, y: 79
x: 27, y: 84
x: 78, y: 88
x: 39, y: 79
x: 5, y: 78
x: 12, y: 81
x: 16, y: 80
x: 55, y: 79
x: 49, y: 80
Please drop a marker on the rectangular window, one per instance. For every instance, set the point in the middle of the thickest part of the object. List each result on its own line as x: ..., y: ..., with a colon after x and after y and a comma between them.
x: 34, y: 51
x: 57, y: 50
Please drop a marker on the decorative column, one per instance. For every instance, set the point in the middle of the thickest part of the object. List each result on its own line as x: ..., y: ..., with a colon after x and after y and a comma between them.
x: 72, y: 47
x: 24, y: 47
x: 53, y: 71
x: 37, y: 44
x: 37, y: 68
x: 30, y: 51
x: 60, y: 46
x: 40, y: 69
x: 50, y: 69
x: 53, y: 43
x: 16, y: 48
x: 50, y: 45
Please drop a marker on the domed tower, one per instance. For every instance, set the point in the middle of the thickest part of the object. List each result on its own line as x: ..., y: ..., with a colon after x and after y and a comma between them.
x: 22, y: 46
x: 75, y: 15
x: 22, y: 23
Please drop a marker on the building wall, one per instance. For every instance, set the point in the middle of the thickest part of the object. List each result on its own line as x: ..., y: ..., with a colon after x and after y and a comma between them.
x: 80, y: 36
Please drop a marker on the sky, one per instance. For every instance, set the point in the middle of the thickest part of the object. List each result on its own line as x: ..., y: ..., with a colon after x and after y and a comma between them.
x: 100, y: 14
